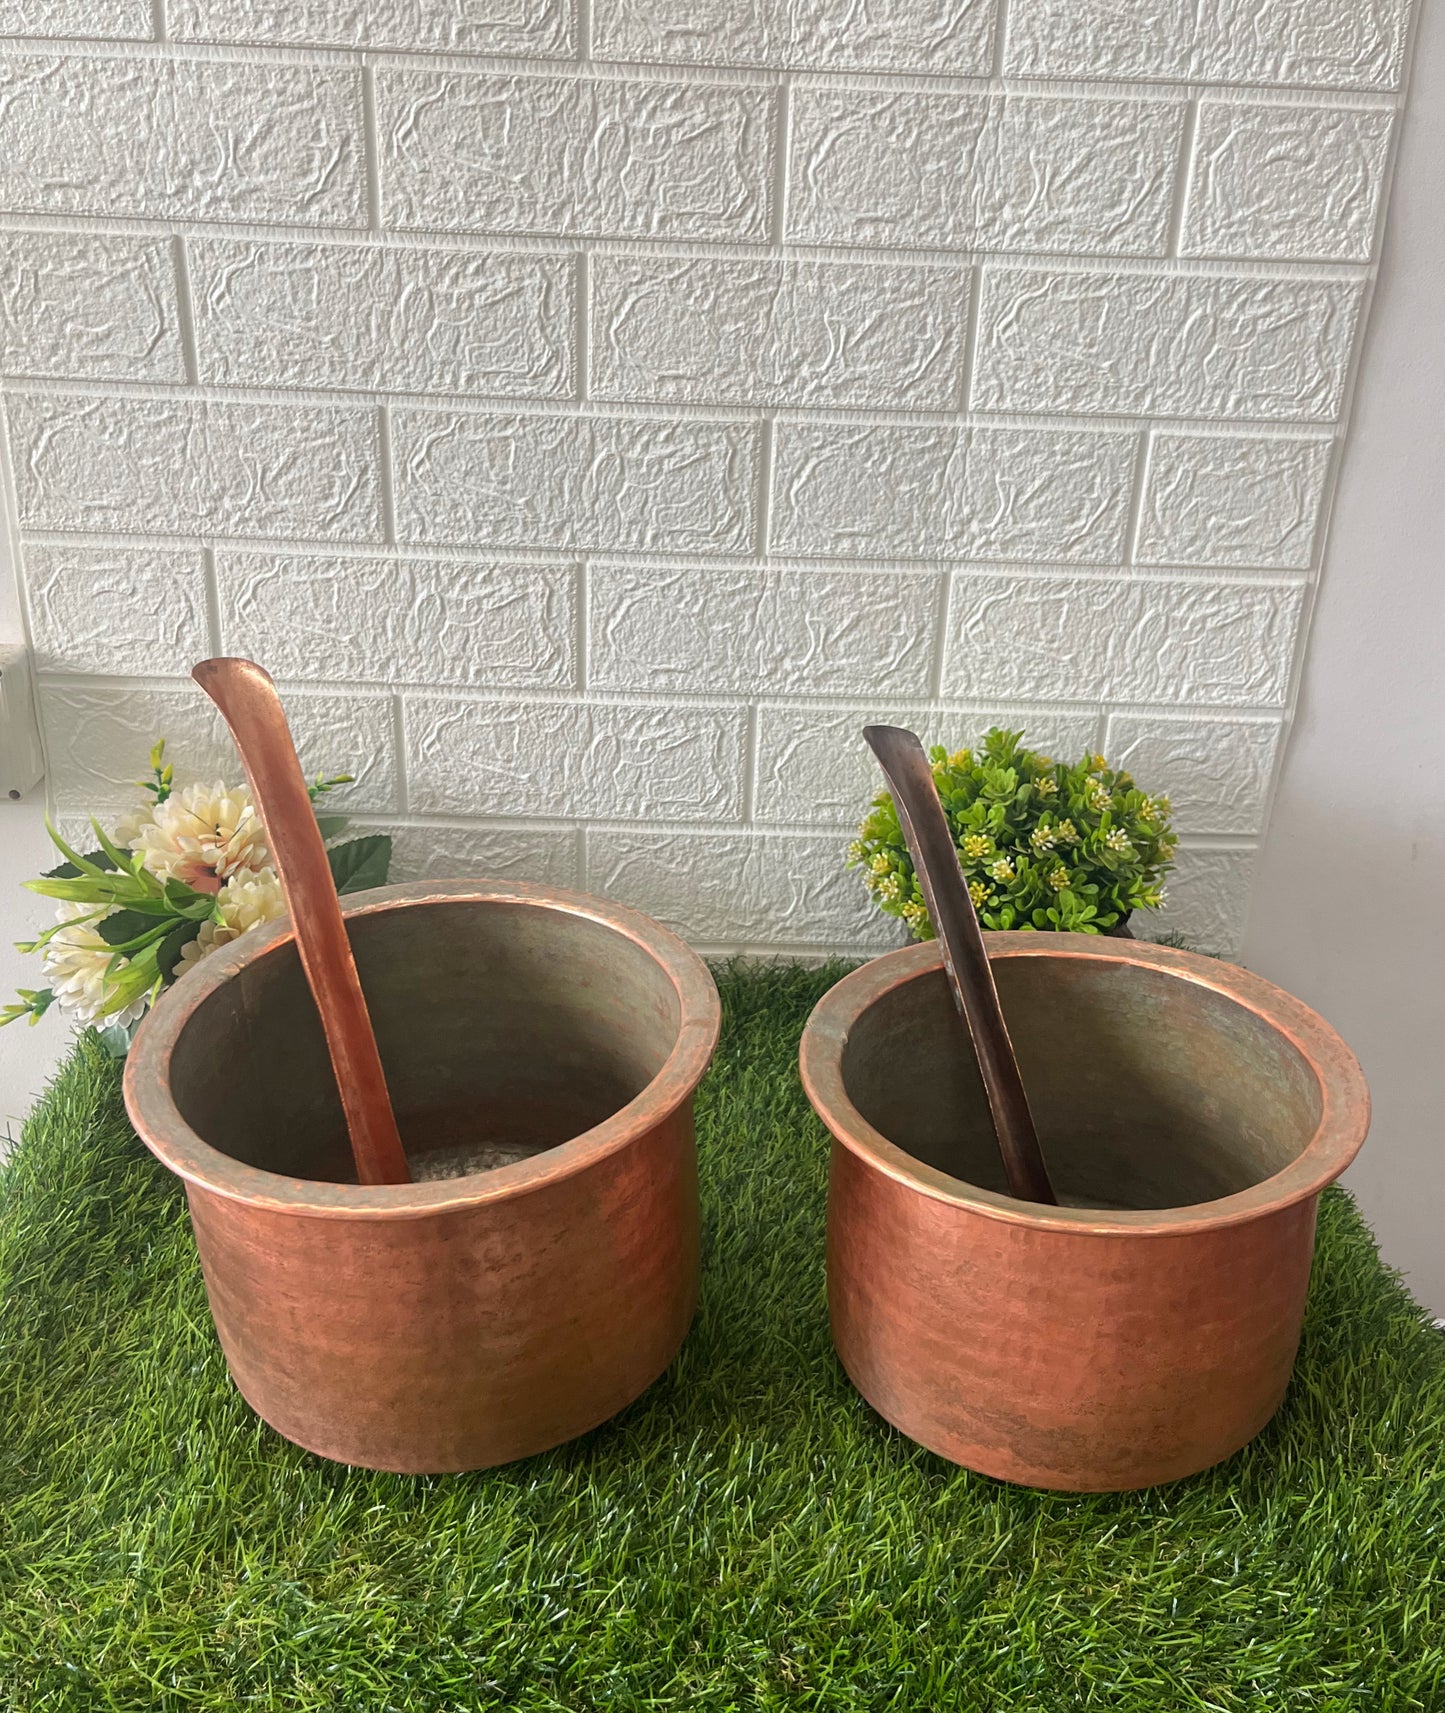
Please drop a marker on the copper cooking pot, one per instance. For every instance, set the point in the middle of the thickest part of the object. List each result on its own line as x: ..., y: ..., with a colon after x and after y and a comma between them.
x: 1190, y: 1111
x: 461, y: 1323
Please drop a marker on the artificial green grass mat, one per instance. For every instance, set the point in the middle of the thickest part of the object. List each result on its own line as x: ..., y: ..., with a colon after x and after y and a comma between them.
x: 748, y: 1535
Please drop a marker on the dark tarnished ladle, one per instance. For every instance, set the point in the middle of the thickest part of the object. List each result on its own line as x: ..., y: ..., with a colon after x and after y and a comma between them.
x: 250, y: 706
x: 935, y: 861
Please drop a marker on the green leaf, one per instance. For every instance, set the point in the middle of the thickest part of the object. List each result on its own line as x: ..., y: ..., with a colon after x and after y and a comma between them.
x: 362, y: 863
x: 68, y: 870
x: 84, y: 889
x: 168, y: 952
x: 331, y: 825
x: 124, y: 925
x: 31, y: 1002
x: 116, y: 1038
x: 182, y: 900
x: 118, y: 859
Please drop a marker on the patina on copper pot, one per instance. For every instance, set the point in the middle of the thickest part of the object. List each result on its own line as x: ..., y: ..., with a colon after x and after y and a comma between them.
x: 461, y: 1323
x: 1190, y: 1113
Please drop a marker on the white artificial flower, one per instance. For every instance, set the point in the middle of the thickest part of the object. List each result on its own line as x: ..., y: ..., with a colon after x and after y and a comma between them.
x: 246, y: 901
x: 131, y: 824
x: 203, y: 836
x: 77, y: 961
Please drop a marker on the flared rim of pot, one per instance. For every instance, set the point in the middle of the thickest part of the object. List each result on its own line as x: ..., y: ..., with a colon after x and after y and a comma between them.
x: 1338, y: 1136
x: 171, y: 1139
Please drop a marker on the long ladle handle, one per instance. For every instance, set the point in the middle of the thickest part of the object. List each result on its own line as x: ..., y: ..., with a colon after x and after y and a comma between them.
x: 250, y: 706
x: 935, y: 860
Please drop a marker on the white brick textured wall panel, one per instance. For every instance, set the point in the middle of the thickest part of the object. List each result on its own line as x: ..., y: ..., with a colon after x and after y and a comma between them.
x: 386, y: 621
x: 606, y: 761
x: 953, y: 37
x: 979, y: 493
x: 740, y: 888
x: 1162, y: 345
x: 85, y: 306
x: 539, y: 854
x: 768, y: 629
x: 802, y: 333
x: 984, y: 172
x: 318, y: 315
x: 607, y: 483
x: 115, y: 20
x: 524, y: 27
x: 173, y: 466
x: 1346, y: 43
x: 1033, y: 384
x: 1217, y: 773
x: 117, y: 609
x: 1208, y: 899
x: 491, y: 153
x: 1103, y: 640
x: 813, y: 765
x: 181, y: 139
x: 100, y: 738
x: 1288, y: 182
x: 1226, y: 501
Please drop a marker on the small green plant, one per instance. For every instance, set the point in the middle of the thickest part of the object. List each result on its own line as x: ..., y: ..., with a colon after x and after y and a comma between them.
x: 1075, y: 849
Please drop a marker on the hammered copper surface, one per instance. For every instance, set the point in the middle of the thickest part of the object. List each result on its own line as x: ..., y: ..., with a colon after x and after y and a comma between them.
x: 1191, y: 1114
x: 464, y: 1322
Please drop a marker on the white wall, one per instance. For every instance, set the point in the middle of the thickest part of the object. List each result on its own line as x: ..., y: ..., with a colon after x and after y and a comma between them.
x: 593, y: 416
x: 1349, y: 904
x: 594, y: 433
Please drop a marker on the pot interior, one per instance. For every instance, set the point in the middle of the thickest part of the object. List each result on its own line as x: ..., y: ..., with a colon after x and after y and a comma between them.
x: 505, y: 1029
x: 1148, y: 1090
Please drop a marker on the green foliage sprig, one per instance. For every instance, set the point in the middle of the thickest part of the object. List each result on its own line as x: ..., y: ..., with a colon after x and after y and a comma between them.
x: 1073, y: 849
x: 146, y: 921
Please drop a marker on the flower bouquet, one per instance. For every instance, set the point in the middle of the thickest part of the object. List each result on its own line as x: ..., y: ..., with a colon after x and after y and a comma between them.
x: 183, y: 873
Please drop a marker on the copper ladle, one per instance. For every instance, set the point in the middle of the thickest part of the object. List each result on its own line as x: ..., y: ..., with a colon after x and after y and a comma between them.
x: 935, y: 861
x: 252, y: 709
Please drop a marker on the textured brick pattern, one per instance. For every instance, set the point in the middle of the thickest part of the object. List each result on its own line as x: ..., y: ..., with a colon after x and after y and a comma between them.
x: 952, y: 493
x: 103, y: 308
x: 182, y: 466
x: 181, y: 140
x: 595, y: 411
x: 466, y: 153
x: 603, y: 482
x: 611, y: 760
x: 1349, y: 44
x: 952, y: 37
x: 426, y: 321
x: 541, y: 27
x: 408, y: 620
x: 979, y: 172
x: 1153, y: 345
x: 1286, y: 181
x: 780, y: 333
x: 131, y: 20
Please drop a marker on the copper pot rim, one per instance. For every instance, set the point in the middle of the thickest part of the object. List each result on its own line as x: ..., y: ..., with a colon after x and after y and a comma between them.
x: 1344, y: 1097
x: 170, y: 1138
